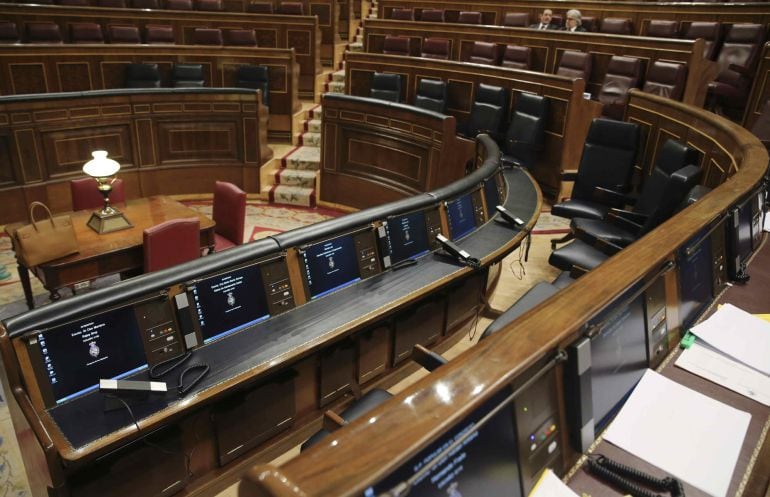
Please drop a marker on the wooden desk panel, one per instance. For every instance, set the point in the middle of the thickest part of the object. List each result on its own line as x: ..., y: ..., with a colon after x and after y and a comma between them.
x: 547, y: 47
x: 760, y: 90
x: 66, y: 68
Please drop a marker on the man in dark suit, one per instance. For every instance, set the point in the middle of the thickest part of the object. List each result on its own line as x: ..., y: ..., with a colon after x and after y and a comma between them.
x: 545, y: 21
x: 574, y: 21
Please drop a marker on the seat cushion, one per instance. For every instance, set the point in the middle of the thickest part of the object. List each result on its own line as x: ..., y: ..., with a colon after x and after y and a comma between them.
x: 534, y: 296
x: 221, y: 243
x: 590, y: 230
x: 576, y: 254
x: 574, y: 208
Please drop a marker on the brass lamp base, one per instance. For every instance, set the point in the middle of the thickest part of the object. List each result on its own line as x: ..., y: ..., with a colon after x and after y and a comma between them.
x: 107, y: 222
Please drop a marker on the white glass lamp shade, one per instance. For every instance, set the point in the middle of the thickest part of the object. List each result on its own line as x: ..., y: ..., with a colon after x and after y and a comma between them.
x: 100, y: 166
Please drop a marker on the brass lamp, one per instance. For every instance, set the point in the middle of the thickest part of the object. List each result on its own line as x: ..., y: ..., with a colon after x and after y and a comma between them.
x: 103, y: 170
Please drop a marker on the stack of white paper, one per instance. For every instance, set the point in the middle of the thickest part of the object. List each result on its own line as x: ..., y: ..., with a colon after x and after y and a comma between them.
x: 549, y: 485
x: 686, y: 434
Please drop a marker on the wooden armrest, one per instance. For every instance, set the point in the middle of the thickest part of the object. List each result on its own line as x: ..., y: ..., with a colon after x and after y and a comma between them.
x: 623, y: 222
x: 743, y: 70
x: 607, y: 247
x: 333, y: 421
x: 611, y: 197
x: 569, y: 175
x: 426, y: 358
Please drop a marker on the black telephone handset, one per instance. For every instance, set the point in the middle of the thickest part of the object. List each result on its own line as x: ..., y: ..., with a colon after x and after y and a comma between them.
x: 455, y: 251
x: 630, y: 479
x: 508, y: 216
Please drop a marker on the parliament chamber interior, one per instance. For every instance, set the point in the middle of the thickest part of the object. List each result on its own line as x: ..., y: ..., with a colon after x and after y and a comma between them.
x: 617, y: 151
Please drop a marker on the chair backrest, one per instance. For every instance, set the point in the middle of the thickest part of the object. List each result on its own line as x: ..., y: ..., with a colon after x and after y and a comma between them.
x: 145, y: 4
x: 242, y: 37
x: 229, y: 211
x: 431, y: 95
x: 608, y: 159
x: 673, y: 192
x: 402, y: 14
x: 187, y: 76
x: 170, y: 243
x: 517, y: 57
x: 488, y: 111
x: 436, y: 48
x: 386, y: 87
x: 469, y: 17
x: 123, y: 34
x: 86, y: 196
x: 207, y: 36
x: 673, y: 156
x: 575, y: 65
x: 662, y: 28
x: 43, y: 32
x: 257, y: 78
x: 666, y: 79
x: 113, y: 4
x: 623, y: 73
x: 484, y: 52
x: 9, y: 33
x: 261, y: 7
x: 291, y: 8
x: 209, y: 5
x: 432, y: 15
x: 179, y: 4
x: 86, y: 32
x: 710, y: 31
x: 526, y: 133
x: 140, y: 75
x: 589, y: 23
x: 557, y: 20
x: 616, y: 26
x: 741, y: 47
x: 156, y: 34
x: 516, y: 19
x: 397, y: 45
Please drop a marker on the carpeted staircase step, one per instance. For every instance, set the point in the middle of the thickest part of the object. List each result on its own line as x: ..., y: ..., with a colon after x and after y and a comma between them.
x: 313, y: 125
x: 304, y: 178
x: 335, y: 86
x: 303, y: 158
x: 357, y: 46
x: 310, y: 139
x: 339, y: 76
x: 292, y: 195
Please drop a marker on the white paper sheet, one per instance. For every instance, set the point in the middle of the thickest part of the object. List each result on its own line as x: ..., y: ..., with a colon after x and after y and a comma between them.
x: 686, y: 434
x: 717, y: 367
x: 549, y: 485
x: 767, y: 222
x: 738, y: 334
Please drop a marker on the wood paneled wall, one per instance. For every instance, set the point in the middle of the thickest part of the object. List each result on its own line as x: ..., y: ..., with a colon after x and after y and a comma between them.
x: 760, y: 90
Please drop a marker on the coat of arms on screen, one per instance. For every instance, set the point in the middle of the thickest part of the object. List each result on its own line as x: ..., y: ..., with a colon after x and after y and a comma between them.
x: 93, y: 349
x: 230, y: 299
x: 331, y: 262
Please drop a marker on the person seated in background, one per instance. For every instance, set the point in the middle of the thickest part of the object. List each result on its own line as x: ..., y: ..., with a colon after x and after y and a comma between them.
x: 545, y: 21
x: 574, y: 21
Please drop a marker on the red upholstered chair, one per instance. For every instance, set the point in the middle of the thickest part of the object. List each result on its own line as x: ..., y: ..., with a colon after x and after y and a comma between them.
x: 43, y: 32
x: 402, y: 14
x: 737, y: 62
x: 8, y: 32
x: 575, y: 64
x: 517, y: 57
x: 86, y: 196
x: 156, y: 34
x: 516, y: 19
x: 124, y: 34
x: 709, y: 31
x: 436, y: 48
x: 261, y: 7
x: 484, y: 52
x: 171, y: 243
x: 662, y: 28
x: 589, y: 23
x: 113, y: 4
x: 616, y: 26
x: 207, y: 36
x: 291, y: 8
x: 432, y: 15
x: 179, y: 4
x: 666, y: 79
x: 469, y: 17
x: 242, y: 37
x: 397, y: 45
x: 558, y: 20
x: 623, y: 73
x: 229, y: 214
x: 86, y: 32
x: 210, y: 5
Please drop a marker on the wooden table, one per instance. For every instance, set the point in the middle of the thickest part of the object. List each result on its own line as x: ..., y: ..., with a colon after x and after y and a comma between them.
x: 110, y: 253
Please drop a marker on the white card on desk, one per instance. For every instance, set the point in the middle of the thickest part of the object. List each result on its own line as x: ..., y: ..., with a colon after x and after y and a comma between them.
x: 685, y: 433
x: 549, y: 485
x: 720, y: 369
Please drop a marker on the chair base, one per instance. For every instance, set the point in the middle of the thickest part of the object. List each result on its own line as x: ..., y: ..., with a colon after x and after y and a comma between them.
x: 555, y: 241
x: 108, y: 222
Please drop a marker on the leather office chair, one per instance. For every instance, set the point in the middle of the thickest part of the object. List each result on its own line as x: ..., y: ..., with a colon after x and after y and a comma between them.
x: 123, y: 34
x: 242, y: 37
x: 142, y: 76
x: 666, y: 79
x: 517, y: 57
x: 436, y: 48
x: 616, y: 26
x: 662, y: 28
x: 432, y: 15
x: 575, y: 65
x: 43, y: 32
x: 179, y: 4
x: 187, y: 76
x: 484, y: 52
x: 402, y: 14
x: 209, y: 5
x: 207, y: 36
x: 113, y: 4
x: 386, y: 87
x: 534, y: 296
x: 257, y: 78
x: 609, y: 154
x: 8, y: 32
x: 145, y: 4
x: 557, y: 20
x: 623, y: 73
x: 229, y: 214
x: 710, y: 31
x: 397, y: 45
x: 737, y: 62
x: 156, y: 34
x: 488, y: 111
x: 431, y: 95
x: 170, y: 243
x: 516, y: 19
x: 86, y: 196
x: 525, y: 137
x: 86, y: 32
x: 291, y: 8
x: 260, y: 7
x: 468, y: 17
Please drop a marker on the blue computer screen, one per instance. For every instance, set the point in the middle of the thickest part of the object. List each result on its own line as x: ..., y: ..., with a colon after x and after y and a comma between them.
x: 460, y: 216
x: 330, y: 265
x: 407, y: 235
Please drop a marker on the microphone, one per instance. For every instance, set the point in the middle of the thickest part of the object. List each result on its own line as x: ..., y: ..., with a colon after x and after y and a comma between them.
x: 509, y: 217
x: 454, y: 250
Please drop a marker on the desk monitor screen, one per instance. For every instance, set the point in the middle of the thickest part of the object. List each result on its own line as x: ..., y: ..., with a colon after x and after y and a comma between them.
x: 407, y: 236
x: 461, y: 216
x: 330, y: 265
x: 228, y: 302
x: 484, y: 464
x: 75, y: 356
x: 492, y: 194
